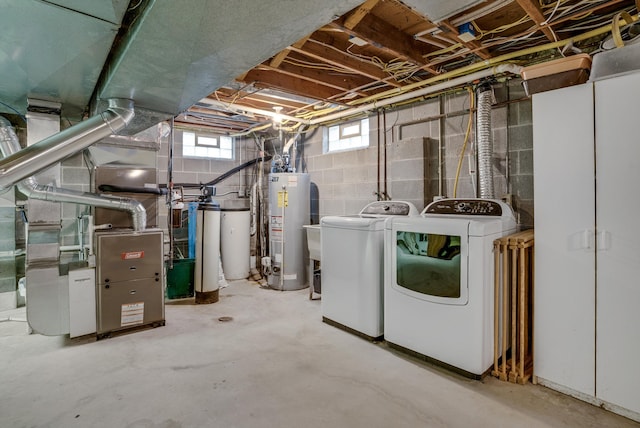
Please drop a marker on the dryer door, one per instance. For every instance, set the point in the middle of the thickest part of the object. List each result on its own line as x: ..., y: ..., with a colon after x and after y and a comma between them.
x: 429, y: 258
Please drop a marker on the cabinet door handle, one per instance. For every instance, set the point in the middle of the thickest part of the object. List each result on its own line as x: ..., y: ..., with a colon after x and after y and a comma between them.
x: 603, y: 240
x: 586, y: 239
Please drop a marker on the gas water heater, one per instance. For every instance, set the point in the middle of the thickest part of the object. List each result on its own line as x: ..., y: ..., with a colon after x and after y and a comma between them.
x: 288, y: 211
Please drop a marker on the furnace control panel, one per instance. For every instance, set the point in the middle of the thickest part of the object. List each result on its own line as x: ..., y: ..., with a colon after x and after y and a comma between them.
x: 484, y: 207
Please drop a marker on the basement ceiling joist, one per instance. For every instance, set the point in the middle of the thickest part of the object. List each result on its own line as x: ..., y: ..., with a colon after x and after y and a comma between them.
x: 383, y: 47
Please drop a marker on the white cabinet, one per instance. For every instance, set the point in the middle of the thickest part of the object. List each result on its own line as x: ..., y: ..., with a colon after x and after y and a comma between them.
x: 587, y: 268
x: 618, y: 241
x: 564, y: 299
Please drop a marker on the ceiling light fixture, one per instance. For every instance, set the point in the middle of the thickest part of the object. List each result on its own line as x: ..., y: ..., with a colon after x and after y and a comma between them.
x: 277, y: 117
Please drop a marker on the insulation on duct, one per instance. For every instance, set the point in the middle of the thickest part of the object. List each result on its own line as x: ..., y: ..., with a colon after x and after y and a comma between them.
x: 485, y: 142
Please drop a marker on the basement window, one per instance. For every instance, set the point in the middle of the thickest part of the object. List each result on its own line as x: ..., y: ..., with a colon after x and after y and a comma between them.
x: 346, y: 136
x: 206, y: 146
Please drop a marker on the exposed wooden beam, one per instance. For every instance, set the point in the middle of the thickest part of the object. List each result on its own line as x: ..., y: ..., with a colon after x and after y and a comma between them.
x: 259, y: 103
x: 213, y: 124
x: 357, y: 16
x: 573, y: 16
x: 388, y: 38
x: 324, y: 53
x: 533, y: 10
x: 290, y: 84
x: 277, y: 60
x: 338, y: 81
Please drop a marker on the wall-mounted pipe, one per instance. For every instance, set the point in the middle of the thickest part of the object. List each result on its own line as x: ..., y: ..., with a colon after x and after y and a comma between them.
x: 485, y: 142
x: 51, y: 150
x: 458, y: 81
x: 9, y: 146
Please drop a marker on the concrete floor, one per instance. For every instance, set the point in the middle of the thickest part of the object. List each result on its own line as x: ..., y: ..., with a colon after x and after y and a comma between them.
x: 274, y: 365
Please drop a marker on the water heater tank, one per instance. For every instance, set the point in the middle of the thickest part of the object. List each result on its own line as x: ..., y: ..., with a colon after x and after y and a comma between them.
x: 288, y: 211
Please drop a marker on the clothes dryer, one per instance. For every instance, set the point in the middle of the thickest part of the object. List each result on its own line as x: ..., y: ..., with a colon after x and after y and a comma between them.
x: 438, y: 294
x: 352, y: 267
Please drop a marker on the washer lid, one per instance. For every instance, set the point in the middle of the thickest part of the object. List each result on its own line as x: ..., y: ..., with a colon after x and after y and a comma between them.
x: 353, y: 222
x: 384, y: 208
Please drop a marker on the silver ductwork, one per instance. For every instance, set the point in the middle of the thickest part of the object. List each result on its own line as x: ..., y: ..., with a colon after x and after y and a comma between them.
x: 10, y: 146
x: 58, y: 147
x: 485, y: 142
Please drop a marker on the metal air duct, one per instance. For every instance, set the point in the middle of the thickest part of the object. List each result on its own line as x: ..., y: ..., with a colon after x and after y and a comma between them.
x: 9, y: 146
x: 58, y: 147
x: 485, y: 142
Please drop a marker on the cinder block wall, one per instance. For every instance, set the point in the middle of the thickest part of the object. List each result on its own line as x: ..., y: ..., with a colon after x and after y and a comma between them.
x: 416, y: 140
x: 230, y: 193
x: 75, y: 176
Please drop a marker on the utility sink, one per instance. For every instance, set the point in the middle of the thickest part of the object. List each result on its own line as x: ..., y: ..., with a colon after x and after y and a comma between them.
x: 313, y: 240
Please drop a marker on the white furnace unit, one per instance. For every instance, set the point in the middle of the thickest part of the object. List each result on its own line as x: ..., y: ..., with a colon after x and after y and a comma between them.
x: 352, y: 267
x: 288, y: 211
x: 438, y: 294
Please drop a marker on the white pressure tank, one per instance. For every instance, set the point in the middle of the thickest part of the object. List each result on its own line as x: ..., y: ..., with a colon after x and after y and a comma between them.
x: 235, y: 229
x: 207, y: 269
x: 289, y: 210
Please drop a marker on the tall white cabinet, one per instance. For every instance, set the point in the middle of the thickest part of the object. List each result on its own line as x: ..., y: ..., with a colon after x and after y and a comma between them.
x: 587, y: 268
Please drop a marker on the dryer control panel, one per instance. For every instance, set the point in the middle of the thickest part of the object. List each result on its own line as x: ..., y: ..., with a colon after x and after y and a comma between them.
x: 484, y: 207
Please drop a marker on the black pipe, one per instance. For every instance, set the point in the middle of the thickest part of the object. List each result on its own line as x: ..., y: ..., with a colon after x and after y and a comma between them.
x: 222, y: 177
x: 236, y: 169
x: 127, y: 189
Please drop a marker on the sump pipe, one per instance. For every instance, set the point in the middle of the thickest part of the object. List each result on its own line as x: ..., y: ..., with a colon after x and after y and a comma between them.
x: 51, y: 150
x: 9, y: 146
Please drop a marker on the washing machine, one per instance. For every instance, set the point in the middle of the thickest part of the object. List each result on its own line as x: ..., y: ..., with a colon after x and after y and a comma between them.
x: 352, y: 249
x: 438, y: 293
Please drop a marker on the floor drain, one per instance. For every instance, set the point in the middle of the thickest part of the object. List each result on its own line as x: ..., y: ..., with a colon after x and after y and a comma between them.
x: 225, y: 319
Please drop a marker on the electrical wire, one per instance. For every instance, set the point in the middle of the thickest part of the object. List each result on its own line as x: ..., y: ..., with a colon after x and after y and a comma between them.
x: 553, y: 12
x: 466, y: 139
x: 134, y: 7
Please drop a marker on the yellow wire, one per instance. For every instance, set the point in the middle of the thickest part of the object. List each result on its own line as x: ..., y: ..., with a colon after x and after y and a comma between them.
x: 468, y: 69
x: 466, y: 139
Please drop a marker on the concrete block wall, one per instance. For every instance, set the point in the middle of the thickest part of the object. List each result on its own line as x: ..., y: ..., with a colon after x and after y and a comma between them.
x: 75, y: 176
x: 412, y: 139
x: 422, y: 142
x: 345, y: 181
x: 230, y: 193
x: 520, y: 138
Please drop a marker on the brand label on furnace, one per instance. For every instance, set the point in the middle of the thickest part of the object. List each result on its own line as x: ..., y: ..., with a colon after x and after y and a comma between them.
x: 132, y: 255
